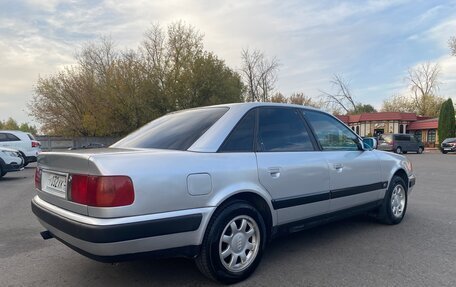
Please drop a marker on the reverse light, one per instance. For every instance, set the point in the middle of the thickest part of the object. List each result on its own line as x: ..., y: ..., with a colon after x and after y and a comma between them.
x: 102, y: 191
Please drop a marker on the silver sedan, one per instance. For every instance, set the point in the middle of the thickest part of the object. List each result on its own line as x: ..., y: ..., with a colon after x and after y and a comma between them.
x: 216, y: 184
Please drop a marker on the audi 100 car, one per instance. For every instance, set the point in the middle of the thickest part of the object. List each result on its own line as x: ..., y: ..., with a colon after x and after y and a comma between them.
x: 216, y: 184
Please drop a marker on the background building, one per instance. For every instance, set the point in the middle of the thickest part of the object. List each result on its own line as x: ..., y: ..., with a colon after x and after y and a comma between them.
x: 373, y: 124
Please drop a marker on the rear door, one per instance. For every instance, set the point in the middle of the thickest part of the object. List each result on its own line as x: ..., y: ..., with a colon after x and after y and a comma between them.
x: 18, y: 143
x: 355, y: 176
x: 4, y: 141
x: 404, y: 142
x: 290, y: 167
x: 413, y: 143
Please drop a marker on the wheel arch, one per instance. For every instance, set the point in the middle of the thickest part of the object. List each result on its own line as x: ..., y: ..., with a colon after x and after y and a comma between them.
x: 402, y: 174
x: 262, y: 204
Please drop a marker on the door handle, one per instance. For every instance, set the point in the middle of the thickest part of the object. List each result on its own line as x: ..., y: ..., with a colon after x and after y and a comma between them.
x: 274, y: 172
x: 338, y: 166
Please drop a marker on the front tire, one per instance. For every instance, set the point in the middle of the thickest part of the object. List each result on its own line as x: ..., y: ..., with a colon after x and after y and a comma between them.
x: 394, y: 205
x: 398, y: 150
x: 420, y: 150
x: 233, y: 244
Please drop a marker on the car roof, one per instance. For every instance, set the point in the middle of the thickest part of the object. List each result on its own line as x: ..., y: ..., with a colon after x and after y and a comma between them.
x: 11, y: 131
x: 213, y: 138
x: 262, y: 104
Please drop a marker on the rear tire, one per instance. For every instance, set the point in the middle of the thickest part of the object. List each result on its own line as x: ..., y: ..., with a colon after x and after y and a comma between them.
x: 233, y: 244
x: 398, y: 150
x: 25, y: 159
x: 444, y: 151
x: 2, y: 173
x: 394, y: 205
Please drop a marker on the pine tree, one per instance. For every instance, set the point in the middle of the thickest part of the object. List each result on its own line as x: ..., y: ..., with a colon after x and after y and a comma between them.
x: 446, y: 120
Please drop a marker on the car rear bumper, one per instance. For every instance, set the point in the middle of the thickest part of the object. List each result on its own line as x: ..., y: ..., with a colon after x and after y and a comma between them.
x: 12, y: 166
x: 29, y: 159
x: 170, y: 233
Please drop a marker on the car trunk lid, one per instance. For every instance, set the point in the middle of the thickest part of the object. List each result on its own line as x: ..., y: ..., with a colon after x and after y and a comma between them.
x: 56, y: 169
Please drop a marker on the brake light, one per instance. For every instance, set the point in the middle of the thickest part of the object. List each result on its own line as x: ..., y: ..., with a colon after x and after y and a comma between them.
x: 36, y: 144
x: 102, y: 191
x: 37, y: 178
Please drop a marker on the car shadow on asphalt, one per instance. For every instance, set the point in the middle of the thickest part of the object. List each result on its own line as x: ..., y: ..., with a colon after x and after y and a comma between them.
x: 182, y: 271
x: 11, y: 178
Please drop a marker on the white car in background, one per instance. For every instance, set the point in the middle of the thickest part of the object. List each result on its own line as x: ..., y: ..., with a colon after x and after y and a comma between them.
x: 10, y: 160
x: 24, y: 142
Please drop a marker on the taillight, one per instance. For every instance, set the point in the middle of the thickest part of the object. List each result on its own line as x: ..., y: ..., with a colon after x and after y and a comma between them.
x: 35, y: 144
x: 102, y: 191
x: 37, y: 178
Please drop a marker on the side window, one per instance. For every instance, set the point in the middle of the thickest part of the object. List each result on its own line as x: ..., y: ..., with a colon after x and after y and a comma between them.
x: 12, y: 138
x: 331, y: 134
x: 281, y: 130
x: 241, y: 138
x: 3, y: 137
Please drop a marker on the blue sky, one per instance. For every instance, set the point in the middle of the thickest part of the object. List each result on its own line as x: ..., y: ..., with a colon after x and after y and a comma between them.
x: 371, y: 44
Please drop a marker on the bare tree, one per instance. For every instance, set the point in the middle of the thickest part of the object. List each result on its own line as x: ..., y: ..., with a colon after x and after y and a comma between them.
x: 452, y: 44
x: 341, y: 98
x: 398, y: 103
x: 424, y: 84
x: 259, y: 75
x: 302, y: 99
x: 279, y: 98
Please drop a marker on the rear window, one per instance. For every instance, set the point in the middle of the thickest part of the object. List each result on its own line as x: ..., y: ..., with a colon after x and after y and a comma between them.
x: 402, y: 137
x: 31, y: 137
x: 7, y: 137
x: 176, y: 131
x: 387, y: 138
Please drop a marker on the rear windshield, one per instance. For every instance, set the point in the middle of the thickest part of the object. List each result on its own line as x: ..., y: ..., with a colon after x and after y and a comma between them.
x: 176, y: 131
x: 387, y: 138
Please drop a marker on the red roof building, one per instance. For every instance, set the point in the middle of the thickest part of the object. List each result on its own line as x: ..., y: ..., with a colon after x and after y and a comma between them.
x: 372, y: 124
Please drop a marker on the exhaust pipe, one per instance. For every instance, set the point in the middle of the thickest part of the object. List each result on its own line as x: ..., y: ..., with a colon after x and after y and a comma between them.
x: 46, y: 234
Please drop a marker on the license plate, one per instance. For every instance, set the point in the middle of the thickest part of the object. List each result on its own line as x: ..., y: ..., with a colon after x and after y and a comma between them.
x: 54, y: 183
x: 447, y: 148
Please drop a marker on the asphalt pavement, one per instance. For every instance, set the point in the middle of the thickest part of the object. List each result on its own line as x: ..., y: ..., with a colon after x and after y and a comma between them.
x: 421, y: 251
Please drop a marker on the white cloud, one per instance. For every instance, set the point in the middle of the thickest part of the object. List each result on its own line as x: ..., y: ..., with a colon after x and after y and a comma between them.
x: 312, y: 39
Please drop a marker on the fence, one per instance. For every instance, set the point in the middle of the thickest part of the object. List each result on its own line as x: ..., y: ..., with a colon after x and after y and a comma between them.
x: 52, y: 143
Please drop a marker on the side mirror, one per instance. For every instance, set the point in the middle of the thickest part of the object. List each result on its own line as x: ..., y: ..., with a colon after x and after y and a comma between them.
x: 369, y: 143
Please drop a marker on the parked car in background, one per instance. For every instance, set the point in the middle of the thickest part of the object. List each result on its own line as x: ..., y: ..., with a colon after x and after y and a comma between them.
x: 400, y: 143
x: 216, y: 184
x: 448, y: 145
x: 88, y: 146
x: 24, y: 142
x: 10, y: 160
x: 371, y: 141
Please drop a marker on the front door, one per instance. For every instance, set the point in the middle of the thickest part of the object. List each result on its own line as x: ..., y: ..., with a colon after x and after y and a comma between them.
x: 355, y: 177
